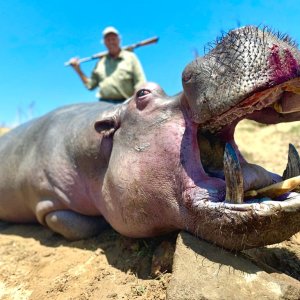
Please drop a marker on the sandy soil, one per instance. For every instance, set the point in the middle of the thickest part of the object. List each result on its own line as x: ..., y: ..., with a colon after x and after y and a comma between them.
x: 38, y: 264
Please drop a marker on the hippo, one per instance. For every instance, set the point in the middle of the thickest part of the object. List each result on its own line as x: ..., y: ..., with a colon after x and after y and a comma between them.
x: 156, y: 164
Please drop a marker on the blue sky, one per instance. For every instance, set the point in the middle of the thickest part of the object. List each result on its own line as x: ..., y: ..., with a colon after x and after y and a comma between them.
x: 37, y: 37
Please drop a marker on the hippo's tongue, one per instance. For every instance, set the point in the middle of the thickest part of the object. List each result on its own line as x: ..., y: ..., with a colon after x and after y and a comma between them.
x: 235, y: 181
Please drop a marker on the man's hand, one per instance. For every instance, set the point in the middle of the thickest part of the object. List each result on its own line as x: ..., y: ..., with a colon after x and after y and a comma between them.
x: 74, y: 62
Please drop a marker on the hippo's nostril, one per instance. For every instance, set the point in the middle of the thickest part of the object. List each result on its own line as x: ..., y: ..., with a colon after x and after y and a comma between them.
x: 186, y: 76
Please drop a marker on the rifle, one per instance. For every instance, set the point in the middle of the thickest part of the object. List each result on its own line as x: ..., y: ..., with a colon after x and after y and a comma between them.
x: 130, y: 48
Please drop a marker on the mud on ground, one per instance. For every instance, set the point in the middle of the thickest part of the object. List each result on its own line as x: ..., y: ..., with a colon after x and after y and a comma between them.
x: 37, y: 264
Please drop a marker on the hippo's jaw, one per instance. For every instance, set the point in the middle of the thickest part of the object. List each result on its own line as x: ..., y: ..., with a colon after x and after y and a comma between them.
x: 243, y: 226
x: 237, y: 220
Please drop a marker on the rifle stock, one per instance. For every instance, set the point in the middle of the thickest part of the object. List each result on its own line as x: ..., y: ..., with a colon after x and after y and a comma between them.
x: 103, y: 53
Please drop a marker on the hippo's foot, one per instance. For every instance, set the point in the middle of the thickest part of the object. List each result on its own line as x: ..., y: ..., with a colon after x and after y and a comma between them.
x: 74, y: 226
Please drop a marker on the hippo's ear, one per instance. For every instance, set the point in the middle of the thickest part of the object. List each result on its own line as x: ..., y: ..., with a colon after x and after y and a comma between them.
x: 108, y: 123
x: 106, y: 127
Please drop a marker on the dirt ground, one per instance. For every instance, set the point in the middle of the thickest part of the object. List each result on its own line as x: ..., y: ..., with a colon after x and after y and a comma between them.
x: 38, y: 264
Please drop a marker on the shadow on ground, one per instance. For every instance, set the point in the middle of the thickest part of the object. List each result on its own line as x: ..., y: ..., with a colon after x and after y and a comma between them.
x: 137, y: 254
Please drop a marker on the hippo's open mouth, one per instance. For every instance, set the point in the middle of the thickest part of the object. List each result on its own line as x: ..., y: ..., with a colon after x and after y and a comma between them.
x: 247, y: 182
x: 257, y: 202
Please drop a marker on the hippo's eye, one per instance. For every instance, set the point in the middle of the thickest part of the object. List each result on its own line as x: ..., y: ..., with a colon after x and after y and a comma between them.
x: 142, y: 92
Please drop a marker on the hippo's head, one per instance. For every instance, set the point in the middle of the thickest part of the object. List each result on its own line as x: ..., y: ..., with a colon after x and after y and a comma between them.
x: 174, y: 163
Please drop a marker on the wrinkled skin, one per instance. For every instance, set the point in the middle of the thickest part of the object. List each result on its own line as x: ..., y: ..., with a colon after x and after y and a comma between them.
x: 155, y: 163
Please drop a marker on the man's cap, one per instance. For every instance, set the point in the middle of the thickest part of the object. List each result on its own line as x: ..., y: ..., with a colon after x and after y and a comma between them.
x: 110, y: 29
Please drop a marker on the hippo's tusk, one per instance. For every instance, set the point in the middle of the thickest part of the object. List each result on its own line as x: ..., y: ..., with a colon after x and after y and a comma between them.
x: 293, y: 166
x: 233, y: 176
x: 275, y: 190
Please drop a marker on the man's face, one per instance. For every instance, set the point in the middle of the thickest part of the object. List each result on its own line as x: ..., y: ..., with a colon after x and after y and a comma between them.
x: 112, y: 42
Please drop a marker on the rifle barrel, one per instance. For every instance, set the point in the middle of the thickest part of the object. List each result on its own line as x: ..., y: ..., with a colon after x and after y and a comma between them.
x: 103, y: 53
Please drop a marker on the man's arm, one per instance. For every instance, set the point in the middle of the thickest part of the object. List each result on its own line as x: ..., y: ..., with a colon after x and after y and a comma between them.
x: 90, y: 83
x: 74, y: 62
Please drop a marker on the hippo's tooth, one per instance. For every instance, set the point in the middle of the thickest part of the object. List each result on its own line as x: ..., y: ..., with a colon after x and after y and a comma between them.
x: 275, y: 190
x: 233, y: 176
x: 293, y: 166
x: 277, y: 106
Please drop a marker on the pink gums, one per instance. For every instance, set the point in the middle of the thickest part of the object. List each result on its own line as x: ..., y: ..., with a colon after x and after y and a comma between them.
x: 283, y: 68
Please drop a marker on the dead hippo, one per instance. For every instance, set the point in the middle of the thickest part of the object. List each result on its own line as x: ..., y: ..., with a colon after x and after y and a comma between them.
x: 156, y: 163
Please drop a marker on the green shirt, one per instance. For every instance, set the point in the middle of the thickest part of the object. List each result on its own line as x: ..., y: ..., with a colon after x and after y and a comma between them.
x: 117, y: 78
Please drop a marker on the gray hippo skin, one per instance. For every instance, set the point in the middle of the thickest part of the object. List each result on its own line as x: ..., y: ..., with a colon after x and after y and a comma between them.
x: 156, y: 163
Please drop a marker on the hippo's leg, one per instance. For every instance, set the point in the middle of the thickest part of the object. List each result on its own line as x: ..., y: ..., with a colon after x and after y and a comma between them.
x: 74, y: 226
